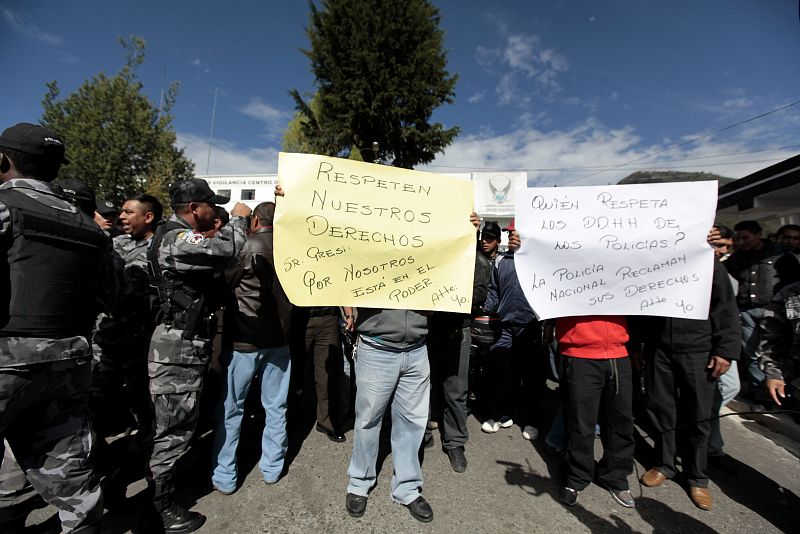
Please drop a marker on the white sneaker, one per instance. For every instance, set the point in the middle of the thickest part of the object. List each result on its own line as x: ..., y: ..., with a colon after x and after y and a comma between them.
x: 505, y: 422
x: 490, y: 426
x: 530, y: 432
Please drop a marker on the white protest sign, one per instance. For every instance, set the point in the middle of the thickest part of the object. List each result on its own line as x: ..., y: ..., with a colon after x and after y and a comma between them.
x: 617, y: 250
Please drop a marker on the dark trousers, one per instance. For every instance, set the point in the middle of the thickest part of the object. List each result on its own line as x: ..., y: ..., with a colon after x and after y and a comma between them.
x: 448, y: 352
x: 517, y: 372
x: 680, y: 393
x: 120, y: 389
x: 593, y: 388
x: 323, y: 344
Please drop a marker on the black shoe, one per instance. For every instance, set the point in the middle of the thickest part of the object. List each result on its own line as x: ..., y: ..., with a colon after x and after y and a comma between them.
x: 458, y: 461
x: 179, y: 520
x: 420, y: 509
x: 333, y: 435
x: 427, y: 441
x: 568, y: 496
x: 355, y: 504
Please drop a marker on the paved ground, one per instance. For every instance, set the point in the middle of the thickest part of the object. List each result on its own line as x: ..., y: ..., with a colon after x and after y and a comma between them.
x: 510, y: 486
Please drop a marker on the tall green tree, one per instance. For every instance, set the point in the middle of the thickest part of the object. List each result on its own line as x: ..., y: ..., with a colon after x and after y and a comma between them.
x: 118, y: 141
x: 380, y: 70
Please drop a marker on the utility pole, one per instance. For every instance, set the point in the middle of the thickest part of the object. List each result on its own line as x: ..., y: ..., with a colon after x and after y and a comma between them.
x: 211, y: 133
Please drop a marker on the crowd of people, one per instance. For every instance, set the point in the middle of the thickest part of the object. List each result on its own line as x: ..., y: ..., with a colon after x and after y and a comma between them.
x: 109, y: 318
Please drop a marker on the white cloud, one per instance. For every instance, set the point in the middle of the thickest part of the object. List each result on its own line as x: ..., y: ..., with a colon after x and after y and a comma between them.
x: 273, y: 118
x: 738, y: 103
x: 476, y: 97
x: 23, y: 26
x: 577, y: 155
x: 523, y: 65
x: 200, y: 65
x: 227, y: 157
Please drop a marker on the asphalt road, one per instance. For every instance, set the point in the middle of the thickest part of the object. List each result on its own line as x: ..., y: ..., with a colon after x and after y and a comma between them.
x: 510, y: 486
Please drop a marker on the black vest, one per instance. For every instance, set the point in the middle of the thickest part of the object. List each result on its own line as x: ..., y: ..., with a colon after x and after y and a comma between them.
x: 188, y: 299
x: 47, y: 283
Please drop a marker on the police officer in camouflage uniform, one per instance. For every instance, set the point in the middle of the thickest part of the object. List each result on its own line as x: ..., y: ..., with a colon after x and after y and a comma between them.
x: 187, y: 269
x: 54, y: 279
x: 120, y: 376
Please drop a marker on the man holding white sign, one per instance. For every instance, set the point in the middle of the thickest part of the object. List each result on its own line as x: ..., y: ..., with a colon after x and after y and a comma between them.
x: 604, y: 253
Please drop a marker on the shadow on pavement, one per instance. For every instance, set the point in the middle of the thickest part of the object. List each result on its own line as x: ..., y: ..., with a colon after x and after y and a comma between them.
x: 760, y: 494
x: 661, y: 517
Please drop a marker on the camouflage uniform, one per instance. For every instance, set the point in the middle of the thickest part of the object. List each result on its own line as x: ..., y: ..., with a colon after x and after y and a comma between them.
x: 121, y: 339
x: 44, y: 381
x: 178, y: 359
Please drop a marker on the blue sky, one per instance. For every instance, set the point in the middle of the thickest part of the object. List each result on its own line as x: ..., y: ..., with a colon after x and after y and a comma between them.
x: 561, y: 89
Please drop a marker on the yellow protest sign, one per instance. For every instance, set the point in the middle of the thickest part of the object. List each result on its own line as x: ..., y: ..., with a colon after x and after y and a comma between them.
x: 349, y: 233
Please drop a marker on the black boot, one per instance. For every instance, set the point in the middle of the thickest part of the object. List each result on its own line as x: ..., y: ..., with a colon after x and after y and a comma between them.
x: 175, y: 518
x: 178, y: 520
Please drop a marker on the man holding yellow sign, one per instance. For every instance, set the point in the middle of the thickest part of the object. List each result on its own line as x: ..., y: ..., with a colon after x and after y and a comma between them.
x: 370, y: 236
x: 350, y: 233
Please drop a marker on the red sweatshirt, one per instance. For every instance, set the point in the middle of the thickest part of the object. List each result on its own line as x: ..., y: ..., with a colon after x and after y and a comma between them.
x: 598, y: 337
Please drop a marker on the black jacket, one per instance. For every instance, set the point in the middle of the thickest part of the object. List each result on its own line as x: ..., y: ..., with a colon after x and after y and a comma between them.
x: 719, y: 335
x: 480, y: 288
x: 755, y: 273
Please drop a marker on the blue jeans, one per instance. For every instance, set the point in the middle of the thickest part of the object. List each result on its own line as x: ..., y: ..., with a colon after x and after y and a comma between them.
x: 751, y: 336
x: 728, y: 386
x: 274, y: 366
x: 379, y: 375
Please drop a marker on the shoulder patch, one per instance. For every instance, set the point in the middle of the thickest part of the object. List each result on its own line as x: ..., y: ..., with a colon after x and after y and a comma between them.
x: 191, y: 237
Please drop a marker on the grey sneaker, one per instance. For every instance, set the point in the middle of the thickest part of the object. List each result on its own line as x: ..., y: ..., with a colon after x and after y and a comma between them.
x: 530, y: 432
x: 623, y: 497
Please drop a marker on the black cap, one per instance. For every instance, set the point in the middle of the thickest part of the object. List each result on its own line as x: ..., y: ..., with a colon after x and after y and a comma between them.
x: 491, y: 229
x: 78, y: 194
x: 106, y: 207
x: 34, y: 139
x: 194, y: 190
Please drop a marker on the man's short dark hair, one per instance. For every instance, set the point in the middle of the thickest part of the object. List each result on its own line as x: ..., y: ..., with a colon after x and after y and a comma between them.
x: 265, y: 213
x: 222, y: 214
x: 748, y: 226
x: 724, y: 231
x: 32, y: 165
x: 151, y: 204
x: 792, y: 227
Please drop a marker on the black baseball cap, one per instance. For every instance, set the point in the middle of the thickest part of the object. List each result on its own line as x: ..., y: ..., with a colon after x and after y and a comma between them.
x: 106, y: 207
x: 78, y: 194
x: 34, y: 139
x: 194, y: 190
x: 491, y: 229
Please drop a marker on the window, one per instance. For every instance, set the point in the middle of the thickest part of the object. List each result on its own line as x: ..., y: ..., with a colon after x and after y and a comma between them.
x: 248, y: 194
x: 224, y: 193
